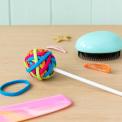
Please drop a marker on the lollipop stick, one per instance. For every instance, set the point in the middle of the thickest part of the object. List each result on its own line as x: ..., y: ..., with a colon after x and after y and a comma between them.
x: 89, y: 82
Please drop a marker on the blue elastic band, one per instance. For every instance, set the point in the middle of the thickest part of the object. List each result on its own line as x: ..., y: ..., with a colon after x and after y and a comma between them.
x: 5, y: 93
x: 39, y: 62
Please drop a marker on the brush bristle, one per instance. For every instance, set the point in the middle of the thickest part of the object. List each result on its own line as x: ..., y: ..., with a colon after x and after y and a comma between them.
x: 102, y: 56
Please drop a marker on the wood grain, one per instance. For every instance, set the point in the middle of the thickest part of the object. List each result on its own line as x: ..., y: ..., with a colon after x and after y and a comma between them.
x: 90, y: 104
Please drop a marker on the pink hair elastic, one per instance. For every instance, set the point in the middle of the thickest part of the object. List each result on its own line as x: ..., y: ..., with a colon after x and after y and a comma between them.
x: 57, y: 48
x: 34, y: 108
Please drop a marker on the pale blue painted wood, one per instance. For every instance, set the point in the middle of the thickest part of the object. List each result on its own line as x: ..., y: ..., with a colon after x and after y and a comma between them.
x: 30, y: 12
x: 107, y: 12
x: 68, y: 12
x: 4, y: 12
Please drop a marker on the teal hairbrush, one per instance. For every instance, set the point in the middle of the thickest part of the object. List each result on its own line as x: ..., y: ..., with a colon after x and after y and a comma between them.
x: 99, y: 45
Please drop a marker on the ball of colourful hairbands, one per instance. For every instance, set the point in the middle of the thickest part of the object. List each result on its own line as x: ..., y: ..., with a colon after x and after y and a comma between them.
x: 40, y: 63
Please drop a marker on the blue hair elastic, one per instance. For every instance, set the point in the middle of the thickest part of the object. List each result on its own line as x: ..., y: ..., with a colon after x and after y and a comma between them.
x: 5, y: 93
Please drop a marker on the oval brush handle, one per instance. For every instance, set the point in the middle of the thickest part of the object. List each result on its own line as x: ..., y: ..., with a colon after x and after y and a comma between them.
x: 89, y: 82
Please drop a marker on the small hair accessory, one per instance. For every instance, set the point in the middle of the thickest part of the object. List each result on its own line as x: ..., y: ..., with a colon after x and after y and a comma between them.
x: 5, y: 93
x: 98, y: 67
x: 57, y: 48
x: 62, y: 38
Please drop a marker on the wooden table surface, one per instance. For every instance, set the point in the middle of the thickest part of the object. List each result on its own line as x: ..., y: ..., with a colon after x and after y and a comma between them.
x: 90, y: 104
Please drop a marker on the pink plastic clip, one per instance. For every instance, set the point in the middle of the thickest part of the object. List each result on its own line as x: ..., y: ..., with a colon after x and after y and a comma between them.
x: 57, y: 48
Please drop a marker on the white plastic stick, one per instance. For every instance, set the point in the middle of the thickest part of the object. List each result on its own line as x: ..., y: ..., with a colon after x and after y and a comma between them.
x: 89, y: 82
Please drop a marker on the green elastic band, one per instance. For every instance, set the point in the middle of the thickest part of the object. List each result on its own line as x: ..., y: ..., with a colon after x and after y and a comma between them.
x: 36, y: 60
